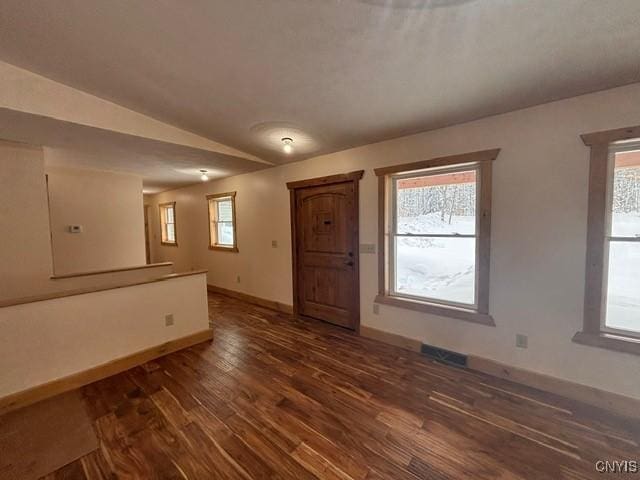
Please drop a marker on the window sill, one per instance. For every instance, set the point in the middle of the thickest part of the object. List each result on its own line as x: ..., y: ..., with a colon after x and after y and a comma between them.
x: 618, y: 343
x: 441, y: 310
x: 169, y: 244
x: 223, y: 249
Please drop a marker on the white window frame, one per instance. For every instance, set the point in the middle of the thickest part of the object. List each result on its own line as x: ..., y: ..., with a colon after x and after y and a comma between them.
x: 164, y: 233
x: 614, y: 148
x: 214, y: 200
x: 395, y: 235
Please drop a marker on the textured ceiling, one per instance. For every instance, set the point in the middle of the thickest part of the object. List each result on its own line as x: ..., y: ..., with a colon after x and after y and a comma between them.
x: 337, y: 73
x: 162, y: 165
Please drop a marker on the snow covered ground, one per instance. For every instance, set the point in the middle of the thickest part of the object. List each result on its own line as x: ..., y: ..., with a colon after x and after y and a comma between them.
x: 444, y: 268
x: 623, y: 286
x: 433, y: 223
x: 436, y: 268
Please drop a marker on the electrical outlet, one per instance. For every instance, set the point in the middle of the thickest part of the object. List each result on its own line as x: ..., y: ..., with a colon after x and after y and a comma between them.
x: 238, y: 279
x: 274, y: 243
x: 168, y: 320
x: 376, y: 309
x: 522, y: 341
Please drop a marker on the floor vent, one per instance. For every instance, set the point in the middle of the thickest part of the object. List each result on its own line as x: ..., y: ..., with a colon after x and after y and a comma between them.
x: 444, y: 356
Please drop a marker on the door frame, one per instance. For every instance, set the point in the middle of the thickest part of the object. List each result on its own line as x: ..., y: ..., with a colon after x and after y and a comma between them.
x: 147, y: 236
x: 353, y: 177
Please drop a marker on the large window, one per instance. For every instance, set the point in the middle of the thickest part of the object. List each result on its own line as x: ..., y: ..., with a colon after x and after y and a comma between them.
x: 435, y: 235
x: 222, y: 222
x: 612, y: 281
x: 622, y: 307
x: 168, y: 224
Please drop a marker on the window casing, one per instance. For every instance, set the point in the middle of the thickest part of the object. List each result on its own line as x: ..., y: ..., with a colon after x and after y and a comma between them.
x: 168, y: 233
x: 434, y: 236
x: 612, y: 289
x: 222, y: 222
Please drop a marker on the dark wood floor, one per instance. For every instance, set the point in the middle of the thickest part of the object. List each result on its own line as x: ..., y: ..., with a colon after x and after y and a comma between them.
x: 276, y: 398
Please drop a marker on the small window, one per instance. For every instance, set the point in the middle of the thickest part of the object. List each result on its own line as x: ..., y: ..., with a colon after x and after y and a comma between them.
x: 222, y: 222
x: 622, y: 241
x: 168, y: 224
x: 435, y: 236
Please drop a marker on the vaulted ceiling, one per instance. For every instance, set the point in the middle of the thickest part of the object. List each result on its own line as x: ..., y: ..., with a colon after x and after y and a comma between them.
x: 331, y: 74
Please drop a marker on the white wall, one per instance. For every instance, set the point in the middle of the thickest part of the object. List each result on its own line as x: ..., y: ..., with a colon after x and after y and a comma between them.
x: 25, y: 249
x: 106, y: 278
x: 25, y: 244
x: 538, y: 235
x: 48, y: 340
x: 109, y: 208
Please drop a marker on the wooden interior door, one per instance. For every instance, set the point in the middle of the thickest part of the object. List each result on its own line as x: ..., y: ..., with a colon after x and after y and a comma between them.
x: 324, y: 216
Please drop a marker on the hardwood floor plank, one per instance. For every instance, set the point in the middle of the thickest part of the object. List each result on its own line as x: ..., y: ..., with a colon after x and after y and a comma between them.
x: 281, y: 398
x: 96, y: 467
x: 72, y: 471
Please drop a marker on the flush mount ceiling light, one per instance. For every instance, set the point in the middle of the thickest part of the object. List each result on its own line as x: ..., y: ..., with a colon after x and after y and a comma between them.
x: 287, y: 144
x: 270, y: 136
x: 204, y: 177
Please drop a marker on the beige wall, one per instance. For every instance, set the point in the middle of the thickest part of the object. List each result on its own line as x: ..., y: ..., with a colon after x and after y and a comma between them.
x: 538, y: 235
x: 25, y: 249
x: 98, y: 279
x: 25, y: 245
x: 47, y: 340
x: 108, y: 206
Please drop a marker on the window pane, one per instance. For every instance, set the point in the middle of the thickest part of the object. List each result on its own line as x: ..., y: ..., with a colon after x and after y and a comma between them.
x: 626, y: 195
x: 225, y: 213
x: 170, y: 215
x: 623, y: 286
x: 171, y: 232
x: 443, y: 203
x: 225, y: 233
x: 436, y: 268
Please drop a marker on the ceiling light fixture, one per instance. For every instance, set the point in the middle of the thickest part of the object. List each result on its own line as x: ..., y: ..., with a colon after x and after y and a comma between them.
x: 288, y: 145
x: 204, y: 176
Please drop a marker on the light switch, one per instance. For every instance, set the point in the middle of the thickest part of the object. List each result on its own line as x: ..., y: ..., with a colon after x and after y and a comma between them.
x: 367, y: 248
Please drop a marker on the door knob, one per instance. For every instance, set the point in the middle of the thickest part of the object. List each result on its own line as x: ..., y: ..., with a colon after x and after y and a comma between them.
x: 349, y: 263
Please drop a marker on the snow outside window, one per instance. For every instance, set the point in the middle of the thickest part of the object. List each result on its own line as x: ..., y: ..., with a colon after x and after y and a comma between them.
x: 434, y: 232
x: 622, y: 243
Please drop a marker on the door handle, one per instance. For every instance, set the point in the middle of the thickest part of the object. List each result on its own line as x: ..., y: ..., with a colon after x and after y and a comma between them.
x: 349, y: 263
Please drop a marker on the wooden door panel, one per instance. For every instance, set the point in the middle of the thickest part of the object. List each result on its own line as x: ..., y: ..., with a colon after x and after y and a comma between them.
x: 329, y: 314
x: 325, y: 227
x: 327, y: 286
x: 325, y: 242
